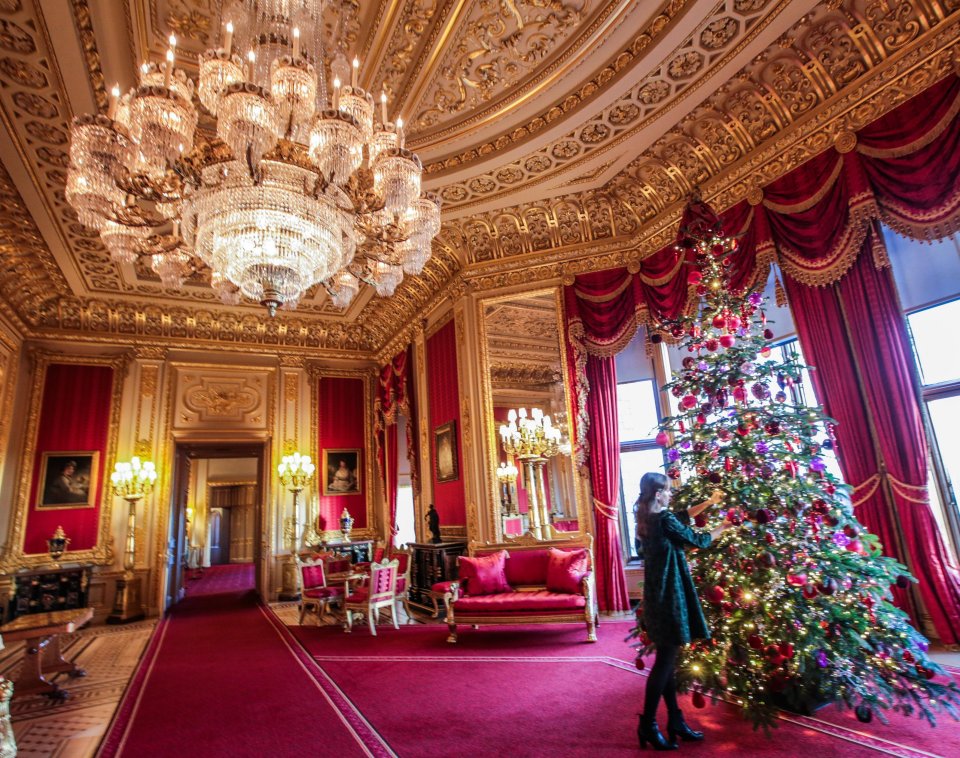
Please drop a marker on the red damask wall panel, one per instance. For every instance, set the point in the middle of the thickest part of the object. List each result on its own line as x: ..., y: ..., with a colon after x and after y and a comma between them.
x: 74, y: 422
x: 443, y: 392
x: 341, y: 427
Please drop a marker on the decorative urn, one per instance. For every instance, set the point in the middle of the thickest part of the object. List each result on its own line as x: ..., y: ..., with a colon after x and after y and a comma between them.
x: 346, y: 524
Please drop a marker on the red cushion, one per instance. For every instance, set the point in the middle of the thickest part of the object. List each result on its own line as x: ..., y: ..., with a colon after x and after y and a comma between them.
x: 510, y: 602
x: 323, y: 592
x: 401, y: 584
x: 527, y: 567
x: 360, y: 595
x: 565, y: 569
x: 484, y: 574
x: 441, y: 587
x: 313, y: 575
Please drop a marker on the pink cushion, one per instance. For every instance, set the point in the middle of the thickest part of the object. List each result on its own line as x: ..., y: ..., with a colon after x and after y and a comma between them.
x: 441, y: 588
x: 512, y: 602
x: 401, y: 584
x: 527, y: 567
x: 565, y: 569
x: 322, y: 592
x: 360, y: 595
x: 313, y: 576
x: 485, y: 574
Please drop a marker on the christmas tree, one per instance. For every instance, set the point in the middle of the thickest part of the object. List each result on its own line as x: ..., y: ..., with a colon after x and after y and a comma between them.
x: 796, y: 591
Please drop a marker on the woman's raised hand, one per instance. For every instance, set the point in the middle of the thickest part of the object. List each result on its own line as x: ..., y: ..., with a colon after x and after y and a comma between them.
x: 715, y: 497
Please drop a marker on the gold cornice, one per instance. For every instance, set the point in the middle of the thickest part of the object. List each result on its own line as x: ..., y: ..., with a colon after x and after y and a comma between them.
x: 14, y: 557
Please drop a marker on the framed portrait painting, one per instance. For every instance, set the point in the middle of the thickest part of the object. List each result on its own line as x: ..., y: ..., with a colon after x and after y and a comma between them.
x: 68, y: 480
x: 341, y: 471
x: 445, y: 445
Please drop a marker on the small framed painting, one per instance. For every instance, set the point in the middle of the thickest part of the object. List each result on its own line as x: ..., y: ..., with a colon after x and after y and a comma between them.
x: 445, y: 446
x: 341, y: 471
x: 68, y: 480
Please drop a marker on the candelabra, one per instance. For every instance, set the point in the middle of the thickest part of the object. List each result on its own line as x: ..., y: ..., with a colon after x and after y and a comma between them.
x: 532, y: 440
x: 132, y: 481
x: 295, y: 472
x: 507, y: 476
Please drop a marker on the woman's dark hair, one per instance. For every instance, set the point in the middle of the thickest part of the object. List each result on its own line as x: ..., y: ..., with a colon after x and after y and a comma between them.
x: 651, y: 483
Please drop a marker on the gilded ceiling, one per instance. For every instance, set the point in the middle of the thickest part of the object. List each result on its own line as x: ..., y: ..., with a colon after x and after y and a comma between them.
x: 561, y: 134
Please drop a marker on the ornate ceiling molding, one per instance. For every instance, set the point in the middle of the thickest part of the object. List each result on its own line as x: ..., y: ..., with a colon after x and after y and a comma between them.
x: 847, y: 65
x: 722, y: 35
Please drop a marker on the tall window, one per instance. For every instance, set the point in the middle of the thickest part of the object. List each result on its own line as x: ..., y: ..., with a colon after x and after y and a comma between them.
x: 939, y: 366
x: 638, y: 417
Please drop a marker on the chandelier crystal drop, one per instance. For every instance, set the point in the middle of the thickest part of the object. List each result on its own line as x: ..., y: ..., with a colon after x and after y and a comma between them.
x: 301, y: 184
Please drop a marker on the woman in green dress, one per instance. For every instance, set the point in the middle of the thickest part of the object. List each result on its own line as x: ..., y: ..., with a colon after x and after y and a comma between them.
x: 672, y: 615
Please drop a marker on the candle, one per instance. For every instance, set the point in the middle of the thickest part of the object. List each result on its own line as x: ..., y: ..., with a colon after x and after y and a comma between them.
x: 354, y: 73
x: 383, y: 107
x: 296, y: 42
x: 400, y: 133
x: 228, y: 40
x: 252, y: 57
x: 168, y: 71
x: 336, y: 94
x: 114, y: 96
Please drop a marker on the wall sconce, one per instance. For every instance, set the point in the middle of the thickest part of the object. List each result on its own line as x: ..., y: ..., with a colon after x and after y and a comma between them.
x: 132, y: 481
x: 507, y: 476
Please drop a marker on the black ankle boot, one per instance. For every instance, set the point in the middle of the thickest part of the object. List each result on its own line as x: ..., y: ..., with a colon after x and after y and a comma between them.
x: 677, y: 727
x: 648, y: 731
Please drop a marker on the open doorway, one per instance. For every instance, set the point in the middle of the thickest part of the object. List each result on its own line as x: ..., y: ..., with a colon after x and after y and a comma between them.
x: 216, y: 522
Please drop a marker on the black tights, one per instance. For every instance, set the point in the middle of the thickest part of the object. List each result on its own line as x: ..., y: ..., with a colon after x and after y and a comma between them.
x: 662, y: 681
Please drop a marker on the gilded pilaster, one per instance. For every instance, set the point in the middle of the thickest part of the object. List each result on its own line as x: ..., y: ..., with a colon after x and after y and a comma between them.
x: 424, y: 497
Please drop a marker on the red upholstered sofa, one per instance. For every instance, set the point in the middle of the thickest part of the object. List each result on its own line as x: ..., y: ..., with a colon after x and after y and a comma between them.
x: 529, y: 596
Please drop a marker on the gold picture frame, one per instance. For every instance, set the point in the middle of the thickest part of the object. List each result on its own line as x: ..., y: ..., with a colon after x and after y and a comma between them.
x: 68, y: 479
x: 342, y: 471
x: 445, y: 461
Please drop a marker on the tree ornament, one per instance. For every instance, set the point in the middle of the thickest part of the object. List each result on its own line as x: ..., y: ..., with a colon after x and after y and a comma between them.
x: 864, y: 714
x: 638, y: 662
x: 697, y: 699
x: 727, y: 340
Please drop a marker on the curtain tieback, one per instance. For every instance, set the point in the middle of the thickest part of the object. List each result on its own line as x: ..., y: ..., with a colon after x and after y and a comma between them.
x: 912, y: 493
x: 607, y: 511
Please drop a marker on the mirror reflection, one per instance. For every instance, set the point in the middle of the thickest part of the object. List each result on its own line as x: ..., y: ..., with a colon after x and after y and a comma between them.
x: 530, y: 458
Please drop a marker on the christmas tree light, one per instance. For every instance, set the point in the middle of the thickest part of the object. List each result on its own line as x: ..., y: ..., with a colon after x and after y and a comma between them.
x: 797, y: 592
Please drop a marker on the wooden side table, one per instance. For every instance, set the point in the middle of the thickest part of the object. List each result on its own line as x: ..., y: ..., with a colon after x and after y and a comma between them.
x: 42, y: 652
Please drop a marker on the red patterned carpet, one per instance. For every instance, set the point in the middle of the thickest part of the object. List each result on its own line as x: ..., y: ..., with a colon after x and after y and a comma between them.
x: 217, y: 580
x: 224, y: 676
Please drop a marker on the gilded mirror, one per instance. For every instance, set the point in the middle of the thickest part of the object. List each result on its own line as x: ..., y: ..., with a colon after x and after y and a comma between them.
x: 532, y: 484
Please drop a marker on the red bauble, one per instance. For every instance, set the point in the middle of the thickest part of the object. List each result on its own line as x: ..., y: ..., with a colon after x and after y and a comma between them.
x: 677, y: 331
x: 714, y: 477
x: 778, y: 681
x: 734, y: 516
x: 851, y: 531
x: 716, y: 594
x: 656, y: 339
x: 739, y: 394
x: 728, y: 340
x: 689, y: 401
x: 765, y: 352
x: 828, y: 586
x: 694, y: 277
x: 719, y: 321
x: 673, y: 473
x: 733, y: 323
x: 662, y: 439
x: 711, y: 345
x: 718, y: 249
x: 854, y: 546
x: 797, y: 580
x: 908, y: 656
x: 698, y: 700
x: 809, y: 591
x: 786, y: 650
x: 638, y: 662
x: 701, y: 290
x: 755, y: 641
x: 700, y: 520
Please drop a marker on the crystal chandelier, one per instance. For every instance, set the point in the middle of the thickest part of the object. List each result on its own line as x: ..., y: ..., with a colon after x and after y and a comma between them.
x: 530, y: 437
x: 301, y: 185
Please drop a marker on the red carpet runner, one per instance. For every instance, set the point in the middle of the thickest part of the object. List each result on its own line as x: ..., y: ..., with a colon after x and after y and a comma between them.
x: 219, y: 680
x: 224, y: 677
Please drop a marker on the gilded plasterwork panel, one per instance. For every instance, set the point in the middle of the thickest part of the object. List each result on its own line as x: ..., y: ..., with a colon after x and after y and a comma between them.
x: 211, y: 398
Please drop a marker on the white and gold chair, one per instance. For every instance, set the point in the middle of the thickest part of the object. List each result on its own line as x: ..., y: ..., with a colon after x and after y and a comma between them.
x: 315, y: 594
x: 374, y: 591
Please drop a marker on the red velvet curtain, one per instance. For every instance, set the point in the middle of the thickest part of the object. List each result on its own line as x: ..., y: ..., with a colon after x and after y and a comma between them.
x: 605, y: 481
x: 75, y: 422
x: 444, y: 407
x: 865, y: 379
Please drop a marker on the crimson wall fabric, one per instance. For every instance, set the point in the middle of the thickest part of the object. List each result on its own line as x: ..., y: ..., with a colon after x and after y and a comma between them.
x: 341, y: 426
x: 74, y: 418
x: 443, y: 391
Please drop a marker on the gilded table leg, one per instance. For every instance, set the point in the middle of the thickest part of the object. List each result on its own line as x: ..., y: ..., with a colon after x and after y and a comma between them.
x: 30, y: 679
x: 54, y: 661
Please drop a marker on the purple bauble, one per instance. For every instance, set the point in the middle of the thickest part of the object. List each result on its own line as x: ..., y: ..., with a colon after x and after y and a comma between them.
x: 822, y: 660
x: 755, y: 298
x: 762, y: 448
x: 817, y: 464
x: 673, y: 455
x: 840, y: 539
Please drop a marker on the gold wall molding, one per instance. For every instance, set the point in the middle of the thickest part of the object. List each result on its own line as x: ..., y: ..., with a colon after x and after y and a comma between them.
x: 14, y: 558
x: 513, y: 375
x: 223, y: 397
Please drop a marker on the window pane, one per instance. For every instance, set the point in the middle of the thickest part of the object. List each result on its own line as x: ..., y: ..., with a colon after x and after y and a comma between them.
x: 406, y: 529
x: 937, y: 360
x: 633, y: 466
x: 637, y: 410
x: 945, y: 418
